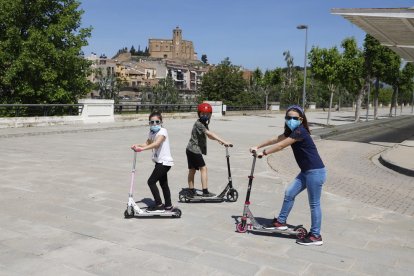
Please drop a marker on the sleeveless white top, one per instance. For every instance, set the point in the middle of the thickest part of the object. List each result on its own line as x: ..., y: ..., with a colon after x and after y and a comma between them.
x: 163, y: 153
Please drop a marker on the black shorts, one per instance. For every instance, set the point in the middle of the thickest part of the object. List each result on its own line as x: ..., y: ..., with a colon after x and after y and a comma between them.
x: 195, y: 160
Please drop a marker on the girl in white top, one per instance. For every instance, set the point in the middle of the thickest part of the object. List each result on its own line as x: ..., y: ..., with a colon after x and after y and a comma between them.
x: 161, y: 155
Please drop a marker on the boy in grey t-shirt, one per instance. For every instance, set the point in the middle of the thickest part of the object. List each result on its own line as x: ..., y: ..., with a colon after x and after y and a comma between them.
x: 197, y: 146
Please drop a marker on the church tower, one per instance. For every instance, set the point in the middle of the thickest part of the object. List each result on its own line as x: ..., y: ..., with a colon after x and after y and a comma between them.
x: 177, y: 42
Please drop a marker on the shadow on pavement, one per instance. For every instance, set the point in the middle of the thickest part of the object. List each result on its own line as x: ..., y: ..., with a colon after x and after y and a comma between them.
x: 391, y: 130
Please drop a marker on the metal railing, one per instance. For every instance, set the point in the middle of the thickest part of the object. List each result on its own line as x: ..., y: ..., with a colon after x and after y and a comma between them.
x: 124, y: 108
x: 145, y: 108
x: 38, y: 110
x: 241, y: 108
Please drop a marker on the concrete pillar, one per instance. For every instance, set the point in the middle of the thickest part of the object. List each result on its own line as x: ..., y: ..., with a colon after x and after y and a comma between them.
x: 312, y: 105
x: 217, y: 107
x: 97, y: 110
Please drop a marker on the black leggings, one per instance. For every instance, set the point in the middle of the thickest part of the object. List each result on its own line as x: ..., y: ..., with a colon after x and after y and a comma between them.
x: 160, y: 174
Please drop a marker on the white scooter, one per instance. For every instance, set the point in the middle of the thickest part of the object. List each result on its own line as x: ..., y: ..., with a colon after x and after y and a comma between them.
x: 133, y: 210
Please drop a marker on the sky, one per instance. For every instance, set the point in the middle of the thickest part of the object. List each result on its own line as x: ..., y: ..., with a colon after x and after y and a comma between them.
x: 252, y: 33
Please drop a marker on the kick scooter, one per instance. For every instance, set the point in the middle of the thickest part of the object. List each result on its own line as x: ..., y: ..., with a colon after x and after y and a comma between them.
x: 228, y: 193
x: 133, y: 210
x: 298, y: 231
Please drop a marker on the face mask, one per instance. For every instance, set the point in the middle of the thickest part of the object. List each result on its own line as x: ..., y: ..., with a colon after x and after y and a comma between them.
x: 293, y: 124
x: 155, y: 129
x: 204, y: 118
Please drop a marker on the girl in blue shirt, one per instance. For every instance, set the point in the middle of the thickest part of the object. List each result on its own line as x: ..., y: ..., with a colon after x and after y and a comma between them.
x: 312, y: 171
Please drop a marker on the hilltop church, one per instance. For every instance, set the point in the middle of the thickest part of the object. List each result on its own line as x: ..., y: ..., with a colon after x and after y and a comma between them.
x: 175, y: 48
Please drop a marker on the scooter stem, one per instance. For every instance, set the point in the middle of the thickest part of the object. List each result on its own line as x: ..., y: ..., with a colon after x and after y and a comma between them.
x: 249, y: 187
x: 228, y: 163
x: 131, y: 189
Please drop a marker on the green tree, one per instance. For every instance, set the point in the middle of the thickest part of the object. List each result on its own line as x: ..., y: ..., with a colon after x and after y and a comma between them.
x: 224, y: 83
x: 352, y: 74
x: 392, y: 76
x: 204, y: 58
x: 289, y: 85
x: 108, y: 85
x: 407, y: 83
x: 325, y: 64
x: 273, y: 77
x: 271, y: 82
x: 257, y: 78
x: 166, y: 92
x: 376, y: 57
x: 260, y: 87
x: 385, y: 95
x: 40, y: 52
x: 132, y: 50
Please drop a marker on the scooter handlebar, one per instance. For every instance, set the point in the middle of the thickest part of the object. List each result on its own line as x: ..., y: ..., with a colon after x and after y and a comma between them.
x: 136, y: 149
x: 229, y: 145
x: 257, y: 155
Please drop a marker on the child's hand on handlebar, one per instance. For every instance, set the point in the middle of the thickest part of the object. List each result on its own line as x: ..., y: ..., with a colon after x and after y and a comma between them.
x: 226, y: 144
x: 137, y: 148
x: 253, y: 149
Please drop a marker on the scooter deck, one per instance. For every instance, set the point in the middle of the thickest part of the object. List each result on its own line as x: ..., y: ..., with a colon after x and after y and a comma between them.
x: 206, y: 199
x: 198, y: 197
x: 288, y: 231
x: 142, y: 212
x: 155, y: 214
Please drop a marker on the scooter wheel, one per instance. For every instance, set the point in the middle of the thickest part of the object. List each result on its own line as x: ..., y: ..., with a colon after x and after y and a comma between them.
x: 181, y: 197
x: 126, y: 215
x: 177, y: 213
x: 240, y: 228
x: 301, y: 232
x: 232, y: 195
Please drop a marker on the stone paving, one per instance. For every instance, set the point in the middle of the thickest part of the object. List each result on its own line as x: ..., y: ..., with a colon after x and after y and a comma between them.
x: 354, y: 173
x: 62, y: 197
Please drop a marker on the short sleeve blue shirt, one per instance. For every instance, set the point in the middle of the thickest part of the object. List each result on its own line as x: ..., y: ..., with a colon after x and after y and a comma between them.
x: 304, y: 150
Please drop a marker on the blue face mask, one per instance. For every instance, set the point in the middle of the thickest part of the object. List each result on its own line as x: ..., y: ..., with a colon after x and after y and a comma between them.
x: 204, y: 118
x: 155, y: 129
x: 293, y: 124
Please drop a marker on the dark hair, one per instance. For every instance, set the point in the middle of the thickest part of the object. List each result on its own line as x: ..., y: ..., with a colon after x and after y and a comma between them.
x: 155, y: 113
x: 299, y: 110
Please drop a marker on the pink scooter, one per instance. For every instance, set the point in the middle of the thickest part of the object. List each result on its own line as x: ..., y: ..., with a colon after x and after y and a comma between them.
x: 254, y: 226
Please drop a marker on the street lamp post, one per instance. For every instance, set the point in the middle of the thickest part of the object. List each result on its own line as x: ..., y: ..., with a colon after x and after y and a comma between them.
x: 304, y: 27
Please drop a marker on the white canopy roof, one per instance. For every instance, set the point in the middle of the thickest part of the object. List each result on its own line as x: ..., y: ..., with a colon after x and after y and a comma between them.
x: 393, y: 27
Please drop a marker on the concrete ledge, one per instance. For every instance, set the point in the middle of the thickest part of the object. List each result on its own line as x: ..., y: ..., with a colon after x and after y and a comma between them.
x: 399, y: 158
x: 144, y: 116
x: 39, y: 121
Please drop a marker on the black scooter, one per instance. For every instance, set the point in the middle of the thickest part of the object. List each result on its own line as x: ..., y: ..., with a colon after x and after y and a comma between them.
x: 299, y: 231
x: 228, y: 193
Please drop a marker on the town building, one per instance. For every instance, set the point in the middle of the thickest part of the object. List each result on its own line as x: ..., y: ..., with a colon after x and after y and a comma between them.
x: 137, y: 75
x: 101, y: 68
x: 175, y: 48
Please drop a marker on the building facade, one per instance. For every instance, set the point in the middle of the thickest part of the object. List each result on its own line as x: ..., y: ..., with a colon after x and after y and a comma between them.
x: 175, y: 48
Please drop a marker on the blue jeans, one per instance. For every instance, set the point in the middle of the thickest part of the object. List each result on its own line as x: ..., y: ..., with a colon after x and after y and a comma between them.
x: 312, y: 180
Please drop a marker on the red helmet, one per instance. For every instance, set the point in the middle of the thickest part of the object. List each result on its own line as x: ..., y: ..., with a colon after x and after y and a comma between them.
x: 205, y: 107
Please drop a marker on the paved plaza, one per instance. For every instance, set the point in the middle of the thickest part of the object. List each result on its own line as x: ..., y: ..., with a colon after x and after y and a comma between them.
x: 63, y: 191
